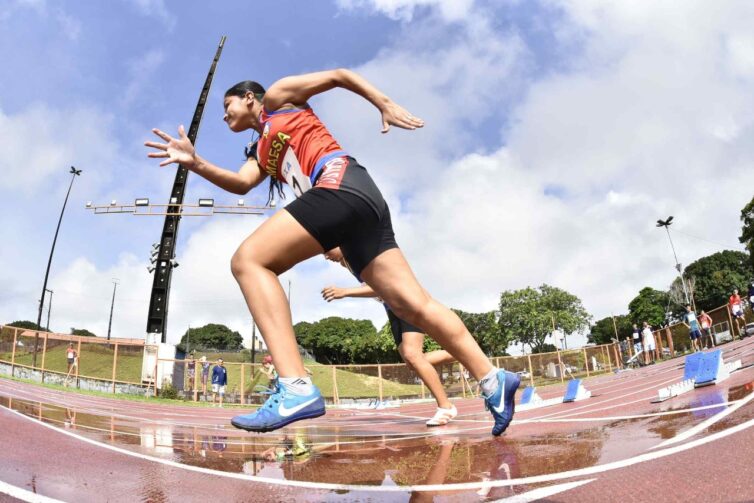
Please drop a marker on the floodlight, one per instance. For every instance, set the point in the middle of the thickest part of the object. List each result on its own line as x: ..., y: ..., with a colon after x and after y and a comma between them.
x: 88, y: 204
x: 174, y: 263
x: 141, y: 202
x: 156, y: 246
x: 113, y: 202
x: 240, y: 202
x: 206, y: 203
x: 150, y: 268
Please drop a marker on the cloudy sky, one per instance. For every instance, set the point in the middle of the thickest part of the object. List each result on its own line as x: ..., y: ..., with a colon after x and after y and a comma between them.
x: 557, y: 133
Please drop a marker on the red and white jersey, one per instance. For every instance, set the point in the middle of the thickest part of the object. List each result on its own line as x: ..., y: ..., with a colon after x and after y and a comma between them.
x: 295, y: 146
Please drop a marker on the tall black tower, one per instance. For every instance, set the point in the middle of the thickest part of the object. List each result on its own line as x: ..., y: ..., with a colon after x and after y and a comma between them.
x: 157, y: 318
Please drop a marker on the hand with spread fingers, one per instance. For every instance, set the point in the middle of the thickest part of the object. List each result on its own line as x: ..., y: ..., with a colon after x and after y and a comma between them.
x: 175, y: 150
x: 395, y: 115
x: 330, y: 293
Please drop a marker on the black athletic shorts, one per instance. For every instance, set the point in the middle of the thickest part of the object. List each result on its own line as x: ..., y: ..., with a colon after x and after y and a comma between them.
x: 400, y: 327
x: 354, y: 217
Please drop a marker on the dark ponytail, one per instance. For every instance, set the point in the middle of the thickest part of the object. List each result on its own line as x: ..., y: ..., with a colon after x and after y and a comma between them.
x: 255, y: 88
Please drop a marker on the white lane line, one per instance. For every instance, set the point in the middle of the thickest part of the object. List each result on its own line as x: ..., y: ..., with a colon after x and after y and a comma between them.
x: 706, y: 424
x: 543, y: 492
x: 24, y: 495
x: 592, y: 470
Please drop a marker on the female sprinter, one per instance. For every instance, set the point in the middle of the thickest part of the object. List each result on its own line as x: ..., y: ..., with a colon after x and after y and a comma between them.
x: 408, y: 339
x: 337, y: 204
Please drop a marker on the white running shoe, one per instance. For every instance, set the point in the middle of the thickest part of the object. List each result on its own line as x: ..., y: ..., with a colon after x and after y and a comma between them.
x: 443, y: 416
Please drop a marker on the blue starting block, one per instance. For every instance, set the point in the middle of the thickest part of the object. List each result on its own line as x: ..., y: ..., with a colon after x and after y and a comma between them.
x: 691, y: 365
x: 576, y: 391
x: 529, y: 396
x: 700, y: 369
x: 711, y: 369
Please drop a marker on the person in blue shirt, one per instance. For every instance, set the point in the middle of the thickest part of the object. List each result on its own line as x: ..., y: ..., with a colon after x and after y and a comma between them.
x: 694, y: 331
x: 219, y: 381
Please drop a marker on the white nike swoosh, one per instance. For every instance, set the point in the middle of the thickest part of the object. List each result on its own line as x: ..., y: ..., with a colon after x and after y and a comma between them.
x: 501, y: 406
x: 285, y: 412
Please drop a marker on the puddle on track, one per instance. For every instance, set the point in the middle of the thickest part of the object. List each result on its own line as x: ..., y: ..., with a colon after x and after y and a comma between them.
x: 332, y: 454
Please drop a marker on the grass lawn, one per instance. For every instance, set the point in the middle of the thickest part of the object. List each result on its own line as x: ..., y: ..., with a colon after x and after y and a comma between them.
x: 94, y: 361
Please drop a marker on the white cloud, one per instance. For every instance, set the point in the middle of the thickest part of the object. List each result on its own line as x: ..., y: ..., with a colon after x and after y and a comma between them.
x: 140, y: 72
x: 41, y: 140
x: 156, y: 9
x: 647, y: 120
x: 403, y: 10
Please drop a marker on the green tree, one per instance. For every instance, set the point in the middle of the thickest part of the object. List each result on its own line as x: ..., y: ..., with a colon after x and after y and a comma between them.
x: 485, y: 329
x: 28, y: 325
x: 335, y: 340
x: 528, y: 315
x: 82, y: 332
x: 603, y: 331
x: 747, y: 231
x: 650, y: 306
x: 715, y: 276
x: 211, y: 336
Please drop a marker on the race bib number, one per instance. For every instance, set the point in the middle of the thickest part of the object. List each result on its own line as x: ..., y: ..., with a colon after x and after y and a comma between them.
x: 293, y: 175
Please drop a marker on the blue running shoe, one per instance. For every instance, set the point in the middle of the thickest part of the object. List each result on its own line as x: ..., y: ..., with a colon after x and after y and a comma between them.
x: 502, y: 403
x: 280, y: 409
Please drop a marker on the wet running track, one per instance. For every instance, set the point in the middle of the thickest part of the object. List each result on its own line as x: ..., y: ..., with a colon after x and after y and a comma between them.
x: 617, y: 445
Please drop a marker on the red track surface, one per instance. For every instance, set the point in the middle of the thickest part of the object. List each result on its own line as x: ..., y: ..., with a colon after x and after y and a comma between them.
x: 73, y: 447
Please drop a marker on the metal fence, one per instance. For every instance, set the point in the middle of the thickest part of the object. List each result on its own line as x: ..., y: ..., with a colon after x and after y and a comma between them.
x: 119, y: 366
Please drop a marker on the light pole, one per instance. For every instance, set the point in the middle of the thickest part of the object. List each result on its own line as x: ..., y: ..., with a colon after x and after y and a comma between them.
x: 74, y: 172
x: 49, y: 308
x: 112, y: 305
x: 667, y: 223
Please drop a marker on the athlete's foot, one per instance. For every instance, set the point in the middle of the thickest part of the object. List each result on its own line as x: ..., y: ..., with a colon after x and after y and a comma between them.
x: 280, y: 409
x: 443, y: 416
x: 501, y: 403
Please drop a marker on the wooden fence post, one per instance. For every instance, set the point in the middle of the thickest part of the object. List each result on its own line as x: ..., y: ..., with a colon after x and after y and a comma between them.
x: 586, y: 362
x: 335, y: 395
x: 379, y: 376
x: 115, y: 364
x: 156, y: 363
x: 78, y: 361
x: 560, y: 366
x: 44, y: 354
x: 197, y: 379
x: 243, y: 382
x: 609, y: 360
x: 531, y: 370
x: 463, y: 380
x: 730, y: 321
x: 618, y: 353
x: 669, y: 336
x: 13, y: 354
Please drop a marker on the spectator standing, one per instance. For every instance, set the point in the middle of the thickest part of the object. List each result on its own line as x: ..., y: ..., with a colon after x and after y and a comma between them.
x: 706, y: 322
x: 71, y: 357
x: 736, y: 310
x: 219, y: 381
x: 649, y: 343
x: 191, y: 371
x: 268, y: 369
x: 694, y: 333
x: 205, y: 374
x: 636, y: 338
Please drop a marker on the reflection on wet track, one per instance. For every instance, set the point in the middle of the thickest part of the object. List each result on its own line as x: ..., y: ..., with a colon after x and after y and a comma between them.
x: 393, y: 447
